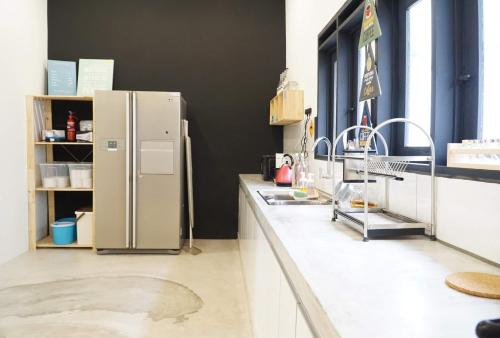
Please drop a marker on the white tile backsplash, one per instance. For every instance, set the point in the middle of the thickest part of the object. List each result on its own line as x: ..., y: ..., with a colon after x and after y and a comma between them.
x: 423, y: 205
x: 468, y: 216
x: 403, y: 196
x: 467, y: 212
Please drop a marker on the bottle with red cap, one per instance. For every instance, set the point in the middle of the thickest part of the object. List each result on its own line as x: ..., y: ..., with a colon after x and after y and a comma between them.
x: 71, y: 127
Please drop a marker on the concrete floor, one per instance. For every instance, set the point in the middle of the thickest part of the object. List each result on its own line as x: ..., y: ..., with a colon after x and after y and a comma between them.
x: 76, y: 293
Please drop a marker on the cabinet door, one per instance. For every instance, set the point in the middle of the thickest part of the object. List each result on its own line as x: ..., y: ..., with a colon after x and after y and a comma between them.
x: 267, y: 289
x: 287, y: 311
x: 241, y: 218
x: 249, y: 258
x: 302, y: 329
x: 159, y: 171
x: 110, y: 157
x: 242, y: 226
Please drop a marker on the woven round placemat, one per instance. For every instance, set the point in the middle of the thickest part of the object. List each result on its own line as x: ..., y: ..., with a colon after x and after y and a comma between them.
x: 475, y: 283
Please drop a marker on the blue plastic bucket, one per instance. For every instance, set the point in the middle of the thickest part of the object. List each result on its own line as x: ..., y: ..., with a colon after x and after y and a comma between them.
x: 64, y: 231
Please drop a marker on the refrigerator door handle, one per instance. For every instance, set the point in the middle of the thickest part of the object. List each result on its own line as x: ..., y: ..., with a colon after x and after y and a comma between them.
x: 127, y: 171
x: 134, y: 170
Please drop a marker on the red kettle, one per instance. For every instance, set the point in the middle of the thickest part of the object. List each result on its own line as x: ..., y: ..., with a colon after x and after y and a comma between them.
x: 284, y: 175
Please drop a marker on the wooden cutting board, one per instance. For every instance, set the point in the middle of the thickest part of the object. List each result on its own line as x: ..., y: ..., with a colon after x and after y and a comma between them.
x: 479, y: 284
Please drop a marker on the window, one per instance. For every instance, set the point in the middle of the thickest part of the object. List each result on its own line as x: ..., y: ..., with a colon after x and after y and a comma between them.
x: 437, y: 65
x: 418, y: 71
x: 490, y: 47
x: 340, y: 71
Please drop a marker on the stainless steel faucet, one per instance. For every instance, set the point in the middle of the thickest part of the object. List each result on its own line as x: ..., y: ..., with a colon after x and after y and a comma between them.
x: 329, y: 164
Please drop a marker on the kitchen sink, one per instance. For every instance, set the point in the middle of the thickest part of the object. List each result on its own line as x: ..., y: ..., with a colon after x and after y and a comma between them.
x: 283, y: 197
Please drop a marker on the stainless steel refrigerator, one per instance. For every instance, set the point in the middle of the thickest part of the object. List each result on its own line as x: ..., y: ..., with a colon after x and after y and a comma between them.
x: 139, y: 170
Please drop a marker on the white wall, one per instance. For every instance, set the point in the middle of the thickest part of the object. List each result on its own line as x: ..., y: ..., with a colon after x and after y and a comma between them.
x: 304, y: 20
x: 467, y: 212
x: 23, y: 57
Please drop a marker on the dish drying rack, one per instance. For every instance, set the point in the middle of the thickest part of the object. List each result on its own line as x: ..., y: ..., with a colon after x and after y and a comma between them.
x: 376, y: 221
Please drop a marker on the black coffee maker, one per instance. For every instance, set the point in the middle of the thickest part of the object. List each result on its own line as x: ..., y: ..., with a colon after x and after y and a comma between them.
x: 267, y: 167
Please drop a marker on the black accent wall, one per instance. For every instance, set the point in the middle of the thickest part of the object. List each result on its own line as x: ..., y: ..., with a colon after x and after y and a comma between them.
x: 225, y: 56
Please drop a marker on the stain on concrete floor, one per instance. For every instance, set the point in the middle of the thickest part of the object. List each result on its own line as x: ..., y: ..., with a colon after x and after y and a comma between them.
x: 158, y: 298
x: 223, y: 312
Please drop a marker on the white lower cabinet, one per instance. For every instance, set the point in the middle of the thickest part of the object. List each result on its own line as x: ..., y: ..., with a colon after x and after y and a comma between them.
x: 273, y: 306
x: 302, y: 329
x: 287, y: 310
x: 267, y: 288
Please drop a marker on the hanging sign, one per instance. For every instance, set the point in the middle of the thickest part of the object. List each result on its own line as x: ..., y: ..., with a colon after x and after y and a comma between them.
x: 370, y: 28
x: 311, y: 128
x: 370, y: 86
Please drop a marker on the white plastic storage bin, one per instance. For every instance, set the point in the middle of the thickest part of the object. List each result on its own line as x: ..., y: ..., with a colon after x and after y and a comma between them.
x: 80, y: 175
x: 84, y: 227
x: 54, y: 175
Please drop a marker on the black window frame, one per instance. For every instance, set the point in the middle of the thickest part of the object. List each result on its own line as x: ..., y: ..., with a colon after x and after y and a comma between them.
x: 353, y: 78
x: 325, y: 123
x: 468, y: 69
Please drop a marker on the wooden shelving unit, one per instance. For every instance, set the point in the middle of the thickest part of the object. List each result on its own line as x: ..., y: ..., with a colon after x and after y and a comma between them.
x: 62, y: 98
x: 42, y: 201
x: 62, y: 189
x: 64, y: 143
x: 47, y: 242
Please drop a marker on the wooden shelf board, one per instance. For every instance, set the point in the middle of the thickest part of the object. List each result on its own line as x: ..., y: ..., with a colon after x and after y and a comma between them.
x: 47, y: 243
x: 63, y: 98
x: 62, y: 189
x: 284, y: 122
x: 65, y: 143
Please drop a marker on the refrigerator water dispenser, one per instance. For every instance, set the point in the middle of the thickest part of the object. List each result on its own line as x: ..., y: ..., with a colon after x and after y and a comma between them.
x: 157, y: 157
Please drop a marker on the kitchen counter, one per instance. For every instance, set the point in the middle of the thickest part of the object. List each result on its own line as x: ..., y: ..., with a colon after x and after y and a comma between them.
x: 381, y: 288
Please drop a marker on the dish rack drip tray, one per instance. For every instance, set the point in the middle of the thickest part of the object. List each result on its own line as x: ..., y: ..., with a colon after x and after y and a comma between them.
x: 383, y: 223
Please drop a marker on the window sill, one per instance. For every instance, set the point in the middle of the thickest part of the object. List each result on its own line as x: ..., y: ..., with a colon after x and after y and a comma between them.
x: 479, y: 175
